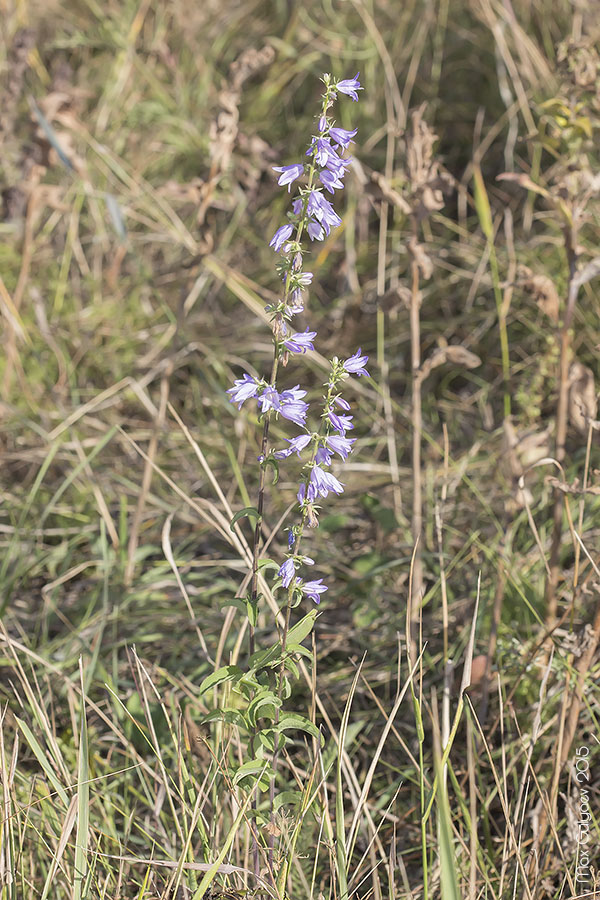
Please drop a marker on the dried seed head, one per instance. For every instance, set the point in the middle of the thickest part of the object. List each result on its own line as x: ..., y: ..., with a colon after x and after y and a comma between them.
x: 583, y: 402
x: 427, y: 184
x: 542, y: 289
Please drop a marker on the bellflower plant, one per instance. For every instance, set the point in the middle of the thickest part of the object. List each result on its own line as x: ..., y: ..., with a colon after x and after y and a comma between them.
x: 323, y: 435
x: 313, y: 215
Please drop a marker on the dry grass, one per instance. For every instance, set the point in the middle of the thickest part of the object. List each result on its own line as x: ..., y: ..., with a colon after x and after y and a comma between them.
x: 138, y: 198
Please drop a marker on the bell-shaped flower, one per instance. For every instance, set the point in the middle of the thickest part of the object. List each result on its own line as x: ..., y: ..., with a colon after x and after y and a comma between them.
x: 324, y: 482
x: 286, y: 572
x: 300, y: 342
x: 341, y: 136
x: 243, y: 388
x: 315, y: 230
x: 323, y: 456
x: 281, y: 236
x: 340, y: 444
x: 313, y: 589
x: 349, y: 86
x: 289, y: 174
x: 297, y: 444
x: 356, y: 364
x: 331, y: 180
x: 340, y: 423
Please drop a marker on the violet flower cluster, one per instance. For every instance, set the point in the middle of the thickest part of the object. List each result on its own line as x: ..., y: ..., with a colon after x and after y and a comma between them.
x: 314, y: 214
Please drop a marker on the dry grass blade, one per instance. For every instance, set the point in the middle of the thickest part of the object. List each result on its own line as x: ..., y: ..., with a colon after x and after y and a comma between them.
x: 353, y: 830
x: 70, y: 819
x: 168, y: 551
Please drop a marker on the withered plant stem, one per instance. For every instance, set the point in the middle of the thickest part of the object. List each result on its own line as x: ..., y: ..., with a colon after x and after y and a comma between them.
x: 159, y: 421
x: 416, y: 591
x: 561, y: 423
x: 569, y: 717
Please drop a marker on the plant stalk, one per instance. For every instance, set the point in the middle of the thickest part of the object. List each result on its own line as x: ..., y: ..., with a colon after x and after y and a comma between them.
x: 416, y: 588
x: 562, y: 410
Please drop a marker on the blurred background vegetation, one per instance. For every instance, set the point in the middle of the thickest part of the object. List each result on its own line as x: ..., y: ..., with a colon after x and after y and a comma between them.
x: 138, y: 199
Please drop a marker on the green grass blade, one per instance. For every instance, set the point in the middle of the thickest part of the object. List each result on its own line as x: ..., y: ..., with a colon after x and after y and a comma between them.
x: 484, y: 212
x: 448, y: 875
x: 208, y: 878
x: 38, y: 752
x: 340, y: 827
x: 83, y: 805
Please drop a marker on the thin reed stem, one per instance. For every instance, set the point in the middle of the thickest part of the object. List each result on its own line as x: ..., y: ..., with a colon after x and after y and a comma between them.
x: 417, y: 429
x: 561, y: 424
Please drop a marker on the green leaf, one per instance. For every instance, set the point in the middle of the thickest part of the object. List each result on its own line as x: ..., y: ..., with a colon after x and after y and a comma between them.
x: 287, y: 798
x: 263, y: 706
x: 298, y: 648
x: 225, y: 673
x: 263, y: 658
x: 266, y: 739
x: 271, y: 461
x: 252, y: 611
x: 292, y: 667
x: 247, y: 511
x: 303, y: 628
x: 299, y: 723
x: 229, y: 715
x: 482, y: 204
x: 296, y: 634
x: 237, y: 602
x: 449, y: 885
x: 266, y: 563
x: 258, y: 767
x: 247, y: 686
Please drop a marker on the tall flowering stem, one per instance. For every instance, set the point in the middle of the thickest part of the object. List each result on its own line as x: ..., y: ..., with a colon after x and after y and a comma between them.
x: 312, y: 216
x: 315, y: 214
